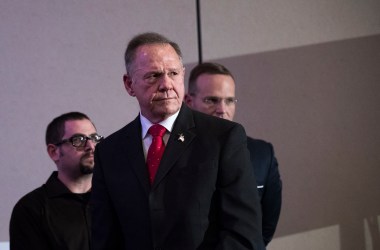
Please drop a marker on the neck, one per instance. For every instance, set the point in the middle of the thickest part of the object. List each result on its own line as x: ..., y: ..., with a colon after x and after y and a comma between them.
x: 79, y: 185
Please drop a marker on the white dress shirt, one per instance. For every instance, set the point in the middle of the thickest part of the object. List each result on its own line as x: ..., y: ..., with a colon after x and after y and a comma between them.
x: 146, y: 124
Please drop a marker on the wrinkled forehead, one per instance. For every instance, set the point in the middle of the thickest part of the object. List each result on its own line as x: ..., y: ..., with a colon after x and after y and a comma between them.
x: 156, y: 56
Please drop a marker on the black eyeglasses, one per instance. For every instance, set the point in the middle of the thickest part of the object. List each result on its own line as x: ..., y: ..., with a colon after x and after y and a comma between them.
x: 81, y: 140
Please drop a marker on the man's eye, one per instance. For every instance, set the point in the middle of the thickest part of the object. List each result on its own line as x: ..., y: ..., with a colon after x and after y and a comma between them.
x: 78, y: 139
x: 215, y: 100
x: 211, y: 100
x: 96, y: 138
x: 152, y: 76
x: 81, y: 138
x: 230, y: 101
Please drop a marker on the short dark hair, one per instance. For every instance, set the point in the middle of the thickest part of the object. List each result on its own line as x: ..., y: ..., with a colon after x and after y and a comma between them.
x: 210, y: 68
x: 56, y: 128
x: 146, y: 39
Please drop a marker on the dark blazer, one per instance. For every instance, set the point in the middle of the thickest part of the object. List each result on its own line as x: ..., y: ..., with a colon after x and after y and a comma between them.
x: 203, y: 195
x: 269, y: 184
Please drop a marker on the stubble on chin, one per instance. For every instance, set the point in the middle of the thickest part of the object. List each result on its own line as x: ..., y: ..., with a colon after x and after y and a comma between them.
x: 87, y: 164
x: 85, y: 169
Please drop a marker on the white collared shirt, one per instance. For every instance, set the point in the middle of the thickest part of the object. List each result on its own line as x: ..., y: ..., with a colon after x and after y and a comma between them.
x: 146, y: 124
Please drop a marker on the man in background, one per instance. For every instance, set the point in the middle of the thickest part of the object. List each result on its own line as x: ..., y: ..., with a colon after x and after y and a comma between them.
x: 56, y: 215
x: 212, y: 91
x: 173, y: 178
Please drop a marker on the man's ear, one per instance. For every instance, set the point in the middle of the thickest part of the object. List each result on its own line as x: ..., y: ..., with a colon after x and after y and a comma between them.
x: 128, y: 85
x: 189, y: 100
x: 53, y: 152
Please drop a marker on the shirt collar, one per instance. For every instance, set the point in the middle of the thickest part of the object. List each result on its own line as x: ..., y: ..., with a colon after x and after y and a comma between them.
x: 55, y: 187
x: 167, y: 123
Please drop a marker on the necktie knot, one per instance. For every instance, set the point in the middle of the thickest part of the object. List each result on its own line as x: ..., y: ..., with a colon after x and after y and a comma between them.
x: 157, y: 130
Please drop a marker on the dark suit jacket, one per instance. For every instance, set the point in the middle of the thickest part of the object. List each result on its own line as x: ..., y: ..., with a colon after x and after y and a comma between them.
x: 203, y: 195
x: 268, y: 182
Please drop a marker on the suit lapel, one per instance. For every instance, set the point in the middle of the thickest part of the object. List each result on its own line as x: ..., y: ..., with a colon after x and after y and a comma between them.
x: 135, y: 154
x: 179, y: 140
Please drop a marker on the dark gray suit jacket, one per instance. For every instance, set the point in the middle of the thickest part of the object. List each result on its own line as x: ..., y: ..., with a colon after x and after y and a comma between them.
x: 203, y: 196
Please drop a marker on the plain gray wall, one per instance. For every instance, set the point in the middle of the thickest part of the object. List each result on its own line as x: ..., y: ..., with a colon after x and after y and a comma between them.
x: 320, y: 106
x: 308, y: 81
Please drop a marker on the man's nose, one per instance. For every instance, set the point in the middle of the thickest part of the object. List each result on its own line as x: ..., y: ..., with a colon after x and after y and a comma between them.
x: 221, y: 106
x: 166, y: 82
x: 90, y: 145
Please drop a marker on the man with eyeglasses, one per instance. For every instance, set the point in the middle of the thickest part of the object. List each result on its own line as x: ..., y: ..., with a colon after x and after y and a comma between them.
x: 57, y: 214
x: 211, y: 90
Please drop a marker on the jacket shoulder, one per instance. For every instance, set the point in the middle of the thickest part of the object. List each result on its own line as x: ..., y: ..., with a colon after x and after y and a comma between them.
x: 212, y: 123
x: 259, y: 146
x: 122, y: 134
x: 33, y: 200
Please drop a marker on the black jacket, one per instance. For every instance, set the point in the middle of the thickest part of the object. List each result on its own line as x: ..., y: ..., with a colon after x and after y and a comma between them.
x: 51, y: 217
x: 268, y: 182
x: 202, y: 196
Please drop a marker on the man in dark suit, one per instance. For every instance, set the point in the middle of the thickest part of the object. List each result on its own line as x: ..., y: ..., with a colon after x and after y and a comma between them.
x: 202, y: 195
x: 212, y: 91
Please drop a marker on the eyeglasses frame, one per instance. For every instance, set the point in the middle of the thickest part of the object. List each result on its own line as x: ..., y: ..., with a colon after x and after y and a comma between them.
x: 71, y: 140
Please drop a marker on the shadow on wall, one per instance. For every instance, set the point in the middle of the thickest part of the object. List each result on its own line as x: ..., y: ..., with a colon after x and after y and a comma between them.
x: 360, y: 234
x: 374, y: 231
x: 319, y: 106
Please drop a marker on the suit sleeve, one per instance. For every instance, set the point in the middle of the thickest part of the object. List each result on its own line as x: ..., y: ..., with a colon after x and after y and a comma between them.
x: 106, y: 232
x: 271, y: 200
x: 240, y: 214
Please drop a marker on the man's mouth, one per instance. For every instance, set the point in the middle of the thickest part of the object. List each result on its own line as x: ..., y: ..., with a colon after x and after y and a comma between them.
x: 163, y: 99
x: 88, y: 156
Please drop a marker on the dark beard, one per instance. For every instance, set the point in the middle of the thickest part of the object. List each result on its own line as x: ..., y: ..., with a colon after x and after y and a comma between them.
x: 84, y: 167
x: 86, y: 170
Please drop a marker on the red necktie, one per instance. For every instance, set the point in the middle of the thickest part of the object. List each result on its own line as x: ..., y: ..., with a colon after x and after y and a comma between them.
x: 156, y: 150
